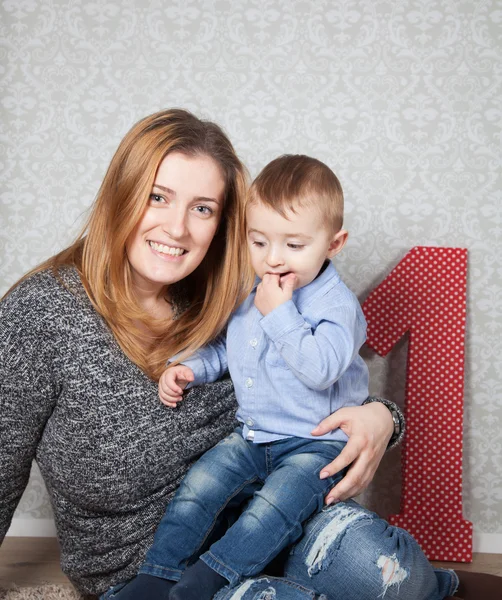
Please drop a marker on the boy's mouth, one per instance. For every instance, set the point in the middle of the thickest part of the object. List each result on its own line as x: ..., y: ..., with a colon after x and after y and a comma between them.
x: 282, y: 276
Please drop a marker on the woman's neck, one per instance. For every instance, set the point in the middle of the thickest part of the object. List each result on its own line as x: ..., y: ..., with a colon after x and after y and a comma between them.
x: 154, y: 302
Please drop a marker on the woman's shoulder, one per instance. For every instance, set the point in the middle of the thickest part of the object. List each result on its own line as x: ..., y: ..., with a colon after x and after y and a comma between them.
x: 45, y: 291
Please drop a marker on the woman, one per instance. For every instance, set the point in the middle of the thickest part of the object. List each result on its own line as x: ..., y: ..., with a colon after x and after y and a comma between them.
x: 83, y: 339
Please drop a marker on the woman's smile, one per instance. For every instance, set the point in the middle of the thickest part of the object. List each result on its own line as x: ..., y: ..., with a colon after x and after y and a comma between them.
x: 166, y: 251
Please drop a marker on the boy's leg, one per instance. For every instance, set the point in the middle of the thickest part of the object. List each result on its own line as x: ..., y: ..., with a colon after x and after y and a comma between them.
x: 141, y: 587
x: 221, y: 474
x: 273, y: 519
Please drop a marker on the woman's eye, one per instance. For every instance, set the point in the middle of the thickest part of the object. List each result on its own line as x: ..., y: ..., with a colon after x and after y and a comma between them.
x: 204, y: 210
x: 156, y: 199
x: 296, y: 246
x: 259, y: 244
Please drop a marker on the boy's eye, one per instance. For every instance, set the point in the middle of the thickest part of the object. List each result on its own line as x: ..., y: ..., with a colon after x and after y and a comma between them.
x: 296, y: 246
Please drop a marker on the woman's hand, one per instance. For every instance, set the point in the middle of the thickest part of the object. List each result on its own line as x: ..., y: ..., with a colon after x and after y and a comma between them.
x: 369, y: 428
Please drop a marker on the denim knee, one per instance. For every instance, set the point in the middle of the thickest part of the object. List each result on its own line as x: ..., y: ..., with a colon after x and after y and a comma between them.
x: 268, y: 588
x: 349, y: 553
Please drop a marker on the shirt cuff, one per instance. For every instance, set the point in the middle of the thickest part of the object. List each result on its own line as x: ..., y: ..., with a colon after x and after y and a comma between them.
x: 282, y: 320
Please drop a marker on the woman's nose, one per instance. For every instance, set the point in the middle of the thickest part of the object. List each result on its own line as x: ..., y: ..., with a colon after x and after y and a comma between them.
x: 175, y: 224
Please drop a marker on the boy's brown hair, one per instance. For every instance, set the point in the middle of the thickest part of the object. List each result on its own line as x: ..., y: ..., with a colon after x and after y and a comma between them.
x: 293, y: 180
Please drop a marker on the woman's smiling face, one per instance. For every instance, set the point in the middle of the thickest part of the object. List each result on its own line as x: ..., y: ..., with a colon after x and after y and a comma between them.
x: 179, y: 223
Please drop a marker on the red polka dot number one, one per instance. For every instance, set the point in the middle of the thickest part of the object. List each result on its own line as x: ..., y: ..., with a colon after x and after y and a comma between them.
x: 425, y: 295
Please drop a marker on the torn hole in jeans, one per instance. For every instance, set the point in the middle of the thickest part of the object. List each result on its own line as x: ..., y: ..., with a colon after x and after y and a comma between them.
x: 328, y: 539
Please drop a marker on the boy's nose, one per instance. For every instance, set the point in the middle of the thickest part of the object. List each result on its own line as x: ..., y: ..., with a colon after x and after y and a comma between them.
x: 274, y: 259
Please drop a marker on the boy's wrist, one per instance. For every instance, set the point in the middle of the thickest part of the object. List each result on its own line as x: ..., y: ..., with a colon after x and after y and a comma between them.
x: 281, y: 321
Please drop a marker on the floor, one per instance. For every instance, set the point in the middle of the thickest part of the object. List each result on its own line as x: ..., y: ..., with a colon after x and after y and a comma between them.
x: 28, y: 561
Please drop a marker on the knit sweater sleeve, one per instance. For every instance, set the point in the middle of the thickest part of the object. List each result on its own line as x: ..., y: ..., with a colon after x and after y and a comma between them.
x: 28, y: 390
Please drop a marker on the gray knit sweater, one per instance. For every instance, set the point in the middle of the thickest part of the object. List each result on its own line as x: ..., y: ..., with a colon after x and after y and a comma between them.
x: 110, y: 453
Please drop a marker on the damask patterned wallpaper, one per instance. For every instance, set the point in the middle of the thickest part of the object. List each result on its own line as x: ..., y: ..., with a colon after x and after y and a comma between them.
x: 400, y: 97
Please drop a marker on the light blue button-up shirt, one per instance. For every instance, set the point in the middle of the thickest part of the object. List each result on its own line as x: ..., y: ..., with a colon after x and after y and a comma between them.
x: 294, y: 366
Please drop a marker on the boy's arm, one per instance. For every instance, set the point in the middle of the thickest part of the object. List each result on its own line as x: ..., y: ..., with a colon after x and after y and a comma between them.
x: 318, y: 358
x: 208, y: 363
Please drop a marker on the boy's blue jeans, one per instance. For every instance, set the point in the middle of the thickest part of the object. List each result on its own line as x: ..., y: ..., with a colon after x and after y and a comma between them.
x: 346, y: 553
x: 281, y: 477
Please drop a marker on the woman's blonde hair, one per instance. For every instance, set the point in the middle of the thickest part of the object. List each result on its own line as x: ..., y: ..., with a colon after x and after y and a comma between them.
x: 211, y: 292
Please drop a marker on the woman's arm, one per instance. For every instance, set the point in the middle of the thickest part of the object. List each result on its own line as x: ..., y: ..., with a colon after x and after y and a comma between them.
x: 372, y: 429
x: 27, y: 393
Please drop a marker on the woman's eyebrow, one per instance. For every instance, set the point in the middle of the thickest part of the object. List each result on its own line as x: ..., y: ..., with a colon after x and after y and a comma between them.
x: 173, y: 193
x: 164, y: 189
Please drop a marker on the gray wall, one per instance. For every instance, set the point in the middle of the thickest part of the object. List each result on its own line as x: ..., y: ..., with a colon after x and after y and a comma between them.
x: 401, y: 98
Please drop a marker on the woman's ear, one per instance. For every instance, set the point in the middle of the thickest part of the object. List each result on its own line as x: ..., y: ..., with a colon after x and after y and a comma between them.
x: 337, y: 243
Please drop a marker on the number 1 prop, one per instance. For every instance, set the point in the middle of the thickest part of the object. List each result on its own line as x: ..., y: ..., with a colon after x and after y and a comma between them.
x: 425, y: 295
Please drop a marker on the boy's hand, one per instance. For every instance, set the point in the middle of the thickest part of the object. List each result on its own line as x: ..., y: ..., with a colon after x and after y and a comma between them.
x: 273, y: 291
x: 172, y: 383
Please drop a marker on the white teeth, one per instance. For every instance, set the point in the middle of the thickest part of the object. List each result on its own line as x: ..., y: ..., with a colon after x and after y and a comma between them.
x: 166, y: 249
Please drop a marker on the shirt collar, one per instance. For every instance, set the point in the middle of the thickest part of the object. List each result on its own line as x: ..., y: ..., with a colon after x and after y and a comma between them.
x: 308, y: 293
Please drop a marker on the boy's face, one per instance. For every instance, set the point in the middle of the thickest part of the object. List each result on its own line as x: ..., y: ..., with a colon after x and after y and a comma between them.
x: 298, y: 244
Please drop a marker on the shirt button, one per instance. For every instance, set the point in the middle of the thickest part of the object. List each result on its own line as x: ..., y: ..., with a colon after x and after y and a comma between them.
x: 249, y: 422
x: 249, y: 382
x: 253, y: 342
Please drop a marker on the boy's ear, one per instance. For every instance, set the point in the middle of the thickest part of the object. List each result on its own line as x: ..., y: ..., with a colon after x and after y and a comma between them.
x: 337, y: 243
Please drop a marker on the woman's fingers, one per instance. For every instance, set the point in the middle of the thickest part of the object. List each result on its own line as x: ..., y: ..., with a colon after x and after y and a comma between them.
x: 331, y: 422
x: 347, y: 456
x: 351, y: 485
x: 363, y: 459
x: 352, y: 481
x: 369, y: 428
